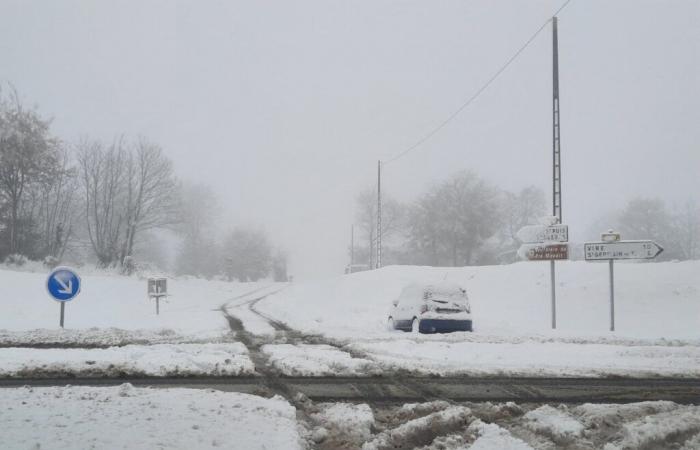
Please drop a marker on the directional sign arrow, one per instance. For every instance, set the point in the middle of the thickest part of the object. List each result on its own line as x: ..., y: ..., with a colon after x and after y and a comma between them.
x: 65, y: 288
x: 597, y: 251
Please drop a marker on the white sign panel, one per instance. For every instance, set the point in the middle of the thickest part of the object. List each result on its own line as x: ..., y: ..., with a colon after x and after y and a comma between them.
x: 541, y: 233
x: 597, y: 251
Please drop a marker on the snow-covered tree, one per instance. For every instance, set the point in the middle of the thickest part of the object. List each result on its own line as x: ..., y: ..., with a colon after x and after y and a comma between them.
x: 452, y: 221
x: 30, y: 160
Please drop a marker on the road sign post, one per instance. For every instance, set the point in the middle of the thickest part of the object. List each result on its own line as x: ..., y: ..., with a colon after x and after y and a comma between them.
x: 612, y: 296
x: 63, y: 285
x: 546, y: 243
x: 611, y: 248
x: 157, y: 287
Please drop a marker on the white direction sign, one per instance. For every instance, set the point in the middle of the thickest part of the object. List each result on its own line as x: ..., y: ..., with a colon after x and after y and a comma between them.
x: 541, y: 233
x: 598, y: 251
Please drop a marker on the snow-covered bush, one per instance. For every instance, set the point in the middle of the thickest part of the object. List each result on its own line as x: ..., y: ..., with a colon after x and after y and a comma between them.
x: 50, y: 262
x: 16, y: 260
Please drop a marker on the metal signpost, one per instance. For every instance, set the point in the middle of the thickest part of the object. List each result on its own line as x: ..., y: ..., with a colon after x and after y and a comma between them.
x: 63, y: 285
x: 157, y: 288
x: 545, y: 243
x: 612, y: 248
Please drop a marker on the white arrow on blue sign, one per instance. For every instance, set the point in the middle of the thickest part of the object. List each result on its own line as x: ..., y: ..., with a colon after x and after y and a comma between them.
x: 63, y: 284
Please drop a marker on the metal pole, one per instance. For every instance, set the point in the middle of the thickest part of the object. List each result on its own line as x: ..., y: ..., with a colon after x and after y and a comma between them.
x: 554, y: 295
x: 157, y: 306
x: 63, y: 312
x: 556, y: 157
x: 612, y: 297
x: 379, y: 214
x: 556, y: 135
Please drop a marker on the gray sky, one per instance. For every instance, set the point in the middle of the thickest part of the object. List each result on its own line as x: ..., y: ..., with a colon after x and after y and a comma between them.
x: 285, y: 107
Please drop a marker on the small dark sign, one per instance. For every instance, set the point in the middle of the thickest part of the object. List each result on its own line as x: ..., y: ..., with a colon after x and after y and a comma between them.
x: 548, y: 252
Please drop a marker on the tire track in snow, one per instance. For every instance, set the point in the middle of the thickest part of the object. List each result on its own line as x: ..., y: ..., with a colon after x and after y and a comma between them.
x: 296, y: 337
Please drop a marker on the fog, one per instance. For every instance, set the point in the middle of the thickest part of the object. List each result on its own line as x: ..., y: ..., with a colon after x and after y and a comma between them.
x: 284, y: 108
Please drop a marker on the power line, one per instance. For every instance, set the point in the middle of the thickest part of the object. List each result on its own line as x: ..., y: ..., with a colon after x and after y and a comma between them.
x: 479, y: 91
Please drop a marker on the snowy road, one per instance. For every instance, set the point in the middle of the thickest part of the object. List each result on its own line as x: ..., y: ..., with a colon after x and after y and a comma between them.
x: 411, y: 389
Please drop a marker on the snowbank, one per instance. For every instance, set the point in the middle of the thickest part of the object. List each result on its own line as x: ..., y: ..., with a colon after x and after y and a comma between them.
x: 143, y: 418
x: 493, y: 437
x: 317, y: 360
x: 532, y: 359
x: 133, y: 360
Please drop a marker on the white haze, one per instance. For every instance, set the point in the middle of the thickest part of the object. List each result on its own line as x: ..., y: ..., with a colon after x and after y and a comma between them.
x: 283, y: 108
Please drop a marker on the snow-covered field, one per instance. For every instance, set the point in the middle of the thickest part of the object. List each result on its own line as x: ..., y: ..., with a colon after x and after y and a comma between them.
x: 656, y: 300
x: 657, y: 312
x: 143, y: 418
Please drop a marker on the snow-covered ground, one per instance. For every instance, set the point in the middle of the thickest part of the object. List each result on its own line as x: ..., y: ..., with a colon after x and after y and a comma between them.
x: 143, y: 418
x: 657, y: 312
x: 533, y: 359
x: 439, y: 425
x: 130, y: 360
x: 149, y: 418
x: 657, y: 305
x: 108, y: 300
x: 317, y: 360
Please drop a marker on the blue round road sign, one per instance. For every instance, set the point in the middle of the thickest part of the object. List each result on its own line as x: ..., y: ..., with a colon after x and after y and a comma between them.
x: 63, y: 284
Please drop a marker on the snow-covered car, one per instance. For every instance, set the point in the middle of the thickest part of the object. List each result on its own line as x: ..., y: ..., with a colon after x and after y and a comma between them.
x: 431, y: 308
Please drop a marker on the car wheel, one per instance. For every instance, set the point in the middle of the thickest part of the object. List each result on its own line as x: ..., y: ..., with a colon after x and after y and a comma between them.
x: 390, y: 326
x: 415, y: 326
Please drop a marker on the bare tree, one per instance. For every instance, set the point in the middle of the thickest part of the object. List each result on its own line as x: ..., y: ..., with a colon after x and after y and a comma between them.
x: 151, y: 189
x: 57, y: 201
x: 102, y: 172
x: 127, y: 190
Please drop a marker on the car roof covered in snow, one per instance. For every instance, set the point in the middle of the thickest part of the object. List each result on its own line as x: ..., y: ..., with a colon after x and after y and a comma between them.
x: 440, y: 287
